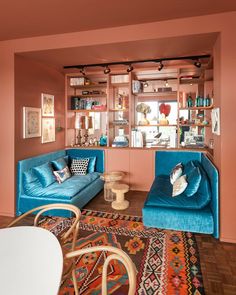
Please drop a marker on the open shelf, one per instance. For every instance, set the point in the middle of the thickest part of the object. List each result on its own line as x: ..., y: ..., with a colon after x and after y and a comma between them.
x: 102, y: 85
x: 197, y: 108
x: 156, y: 94
x: 157, y: 125
x: 91, y: 95
x: 196, y: 125
x: 118, y: 110
x: 88, y: 111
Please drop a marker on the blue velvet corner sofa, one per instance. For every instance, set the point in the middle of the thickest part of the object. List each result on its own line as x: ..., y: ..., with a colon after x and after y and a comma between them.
x: 78, y: 190
x: 198, y: 213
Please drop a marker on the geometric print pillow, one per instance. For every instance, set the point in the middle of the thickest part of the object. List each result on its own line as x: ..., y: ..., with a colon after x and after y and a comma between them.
x: 62, y: 175
x: 79, y: 167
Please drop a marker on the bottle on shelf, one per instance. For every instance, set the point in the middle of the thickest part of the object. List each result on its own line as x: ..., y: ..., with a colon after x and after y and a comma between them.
x: 190, y: 101
x: 103, y: 140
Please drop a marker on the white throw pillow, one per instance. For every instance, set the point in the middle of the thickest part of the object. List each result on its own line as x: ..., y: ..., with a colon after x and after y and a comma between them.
x: 179, y: 186
x: 176, y: 172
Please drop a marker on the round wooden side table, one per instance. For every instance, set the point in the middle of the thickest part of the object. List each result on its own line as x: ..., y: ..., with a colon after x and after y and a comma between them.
x: 120, y: 203
x: 111, y: 178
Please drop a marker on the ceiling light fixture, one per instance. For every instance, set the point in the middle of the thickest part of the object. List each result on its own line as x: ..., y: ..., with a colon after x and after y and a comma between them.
x: 130, y: 68
x: 160, y: 67
x: 166, y: 83
x: 145, y: 85
x: 82, y: 71
x: 195, y: 58
x: 197, y: 63
x: 107, y: 70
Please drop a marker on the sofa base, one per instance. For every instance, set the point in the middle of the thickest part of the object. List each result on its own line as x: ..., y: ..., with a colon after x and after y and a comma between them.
x: 27, y: 202
x: 196, y: 221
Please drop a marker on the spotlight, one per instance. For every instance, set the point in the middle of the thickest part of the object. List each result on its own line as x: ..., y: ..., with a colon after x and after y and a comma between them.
x: 145, y: 85
x: 107, y: 70
x: 130, y: 68
x: 197, y: 64
x: 82, y: 71
x: 160, y: 67
x: 166, y: 83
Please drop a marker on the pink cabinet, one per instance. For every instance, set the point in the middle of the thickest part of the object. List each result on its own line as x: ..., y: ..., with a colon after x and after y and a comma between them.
x: 137, y: 164
x: 141, y: 168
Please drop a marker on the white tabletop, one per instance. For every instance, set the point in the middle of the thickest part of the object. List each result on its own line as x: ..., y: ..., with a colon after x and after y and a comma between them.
x: 31, y: 261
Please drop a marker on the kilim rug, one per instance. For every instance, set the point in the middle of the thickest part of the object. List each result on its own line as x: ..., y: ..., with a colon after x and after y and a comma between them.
x: 167, y: 261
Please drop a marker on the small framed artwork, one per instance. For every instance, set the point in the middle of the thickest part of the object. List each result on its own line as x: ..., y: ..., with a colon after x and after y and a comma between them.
x: 31, y: 122
x: 47, y: 102
x: 48, y: 130
x: 215, y: 119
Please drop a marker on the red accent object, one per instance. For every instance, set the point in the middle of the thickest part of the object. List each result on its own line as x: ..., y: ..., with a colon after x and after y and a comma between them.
x: 165, y: 109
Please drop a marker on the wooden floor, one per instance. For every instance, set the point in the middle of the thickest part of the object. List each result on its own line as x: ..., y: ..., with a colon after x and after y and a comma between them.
x: 218, y: 259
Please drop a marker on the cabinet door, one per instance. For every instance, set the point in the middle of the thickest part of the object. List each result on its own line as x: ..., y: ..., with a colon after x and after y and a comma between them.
x: 141, y: 169
x: 118, y: 160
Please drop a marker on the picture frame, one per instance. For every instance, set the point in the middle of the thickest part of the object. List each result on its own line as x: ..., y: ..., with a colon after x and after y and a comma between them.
x: 215, y: 119
x: 48, y: 130
x: 47, y: 104
x: 31, y: 122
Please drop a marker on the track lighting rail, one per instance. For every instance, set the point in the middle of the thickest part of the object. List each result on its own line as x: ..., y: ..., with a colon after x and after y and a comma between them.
x: 194, y: 58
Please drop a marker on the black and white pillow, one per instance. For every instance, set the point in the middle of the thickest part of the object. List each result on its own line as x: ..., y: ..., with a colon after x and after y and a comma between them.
x: 79, y: 167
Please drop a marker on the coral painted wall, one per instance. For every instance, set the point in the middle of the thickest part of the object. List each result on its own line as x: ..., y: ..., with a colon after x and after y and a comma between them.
x: 225, y: 61
x: 32, y: 79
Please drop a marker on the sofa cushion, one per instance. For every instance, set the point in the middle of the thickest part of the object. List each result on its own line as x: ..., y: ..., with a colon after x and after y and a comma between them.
x: 176, y: 172
x: 161, y: 195
x: 45, y: 174
x: 79, y: 167
x: 193, y: 178
x: 91, y: 164
x: 30, y: 180
x: 179, y: 186
x: 66, y: 190
x: 204, y: 190
x: 62, y: 175
x: 59, y: 164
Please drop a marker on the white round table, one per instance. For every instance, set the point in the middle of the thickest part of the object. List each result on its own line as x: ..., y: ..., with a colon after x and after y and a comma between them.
x: 31, y: 261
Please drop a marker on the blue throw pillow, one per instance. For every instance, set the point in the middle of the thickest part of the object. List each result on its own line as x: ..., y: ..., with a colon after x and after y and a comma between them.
x: 45, y: 174
x: 193, y: 180
x: 188, y: 167
x: 91, y: 164
x: 59, y: 164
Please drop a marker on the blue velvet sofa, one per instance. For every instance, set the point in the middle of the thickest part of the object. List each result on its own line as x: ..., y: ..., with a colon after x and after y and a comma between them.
x: 199, y: 213
x: 77, y: 190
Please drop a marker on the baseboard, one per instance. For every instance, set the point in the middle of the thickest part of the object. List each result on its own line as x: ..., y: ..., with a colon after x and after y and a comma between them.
x: 226, y: 240
x: 8, y: 214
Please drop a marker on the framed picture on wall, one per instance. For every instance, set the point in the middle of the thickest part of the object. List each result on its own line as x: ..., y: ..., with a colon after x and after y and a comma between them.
x: 48, y: 130
x: 215, y: 119
x: 47, y: 101
x: 31, y: 122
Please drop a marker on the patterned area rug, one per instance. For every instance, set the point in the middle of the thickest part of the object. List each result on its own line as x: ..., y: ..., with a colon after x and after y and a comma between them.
x: 167, y: 261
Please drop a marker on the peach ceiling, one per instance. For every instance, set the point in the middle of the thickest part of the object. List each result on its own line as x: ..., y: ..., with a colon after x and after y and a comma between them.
x: 27, y: 18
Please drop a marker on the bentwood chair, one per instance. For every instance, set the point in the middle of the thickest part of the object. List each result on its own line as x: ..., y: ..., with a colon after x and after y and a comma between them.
x: 70, y: 233
x: 117, y: 254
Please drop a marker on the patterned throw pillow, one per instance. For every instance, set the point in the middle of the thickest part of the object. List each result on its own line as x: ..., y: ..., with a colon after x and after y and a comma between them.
x: 62, y: 174
x: 79, y: 167
x: 179, y: 186
x: 176, y: 172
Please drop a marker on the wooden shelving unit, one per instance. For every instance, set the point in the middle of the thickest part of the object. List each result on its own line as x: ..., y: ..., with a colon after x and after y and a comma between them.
x: 109, y: 92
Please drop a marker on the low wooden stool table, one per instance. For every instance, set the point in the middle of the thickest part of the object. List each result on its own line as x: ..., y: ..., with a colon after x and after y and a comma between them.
x: 120, y: 189
x: 111, y: 178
